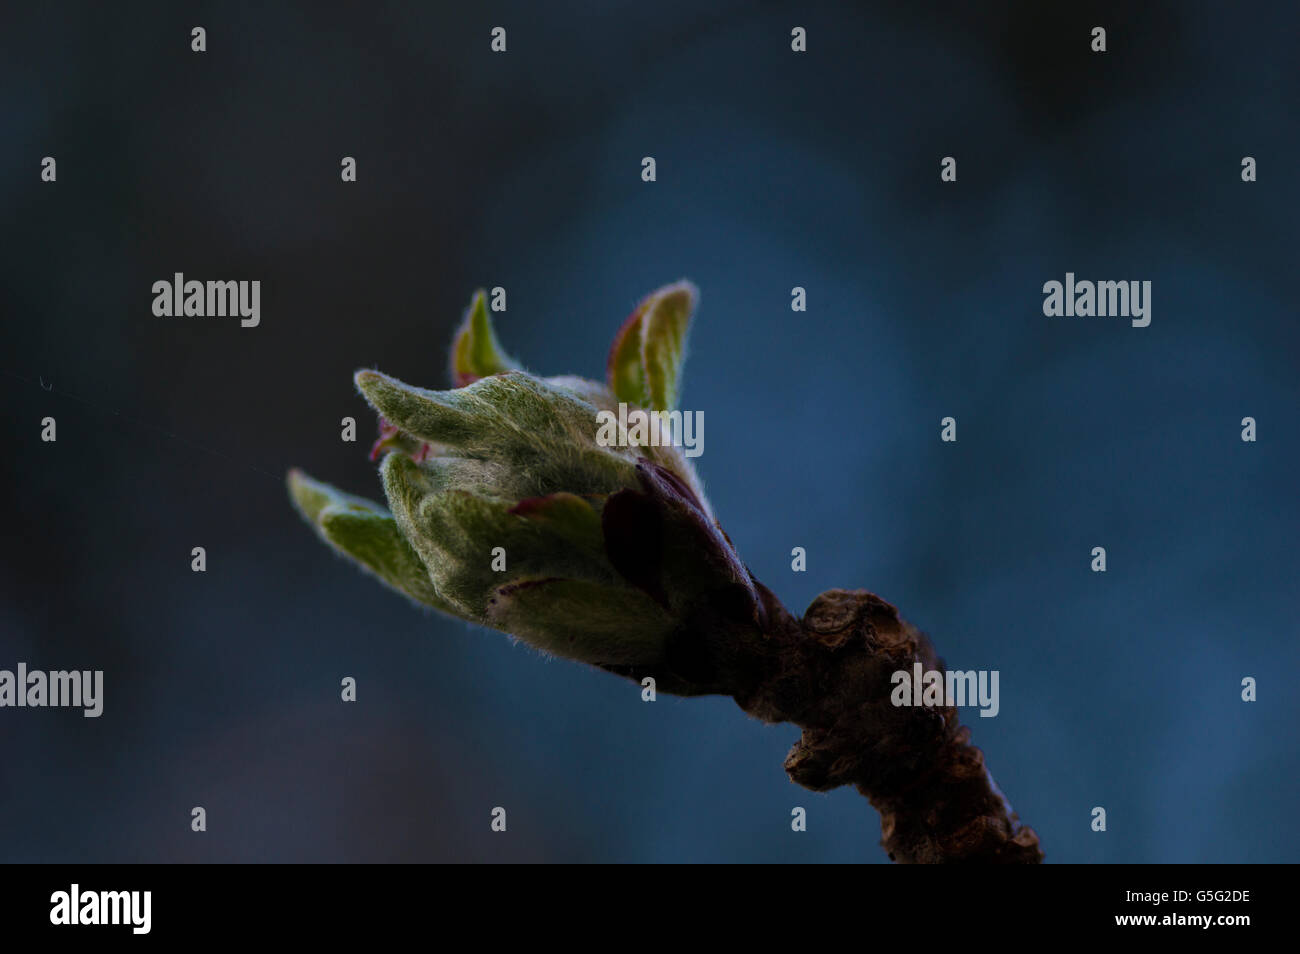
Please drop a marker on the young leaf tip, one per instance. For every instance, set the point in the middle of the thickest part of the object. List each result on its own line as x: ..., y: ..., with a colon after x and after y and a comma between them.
x: 645, y: 360
x: 475, y: 350
x: 309, y: 496
x: 367, y: 378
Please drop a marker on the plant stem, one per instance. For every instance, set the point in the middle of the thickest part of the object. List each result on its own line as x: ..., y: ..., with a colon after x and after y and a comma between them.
x: 830, y: 673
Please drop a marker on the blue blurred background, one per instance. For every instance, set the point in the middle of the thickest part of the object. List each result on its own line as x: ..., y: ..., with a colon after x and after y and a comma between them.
x: 775, y: 169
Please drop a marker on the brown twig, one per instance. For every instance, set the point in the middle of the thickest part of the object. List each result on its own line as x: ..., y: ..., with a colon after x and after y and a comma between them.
x: 830, y: 673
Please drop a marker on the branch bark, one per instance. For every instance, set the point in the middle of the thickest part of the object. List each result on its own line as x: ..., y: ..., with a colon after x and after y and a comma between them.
x: 830, y: 673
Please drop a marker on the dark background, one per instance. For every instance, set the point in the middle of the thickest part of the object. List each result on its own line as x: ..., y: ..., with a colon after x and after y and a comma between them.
x: 774, y: 169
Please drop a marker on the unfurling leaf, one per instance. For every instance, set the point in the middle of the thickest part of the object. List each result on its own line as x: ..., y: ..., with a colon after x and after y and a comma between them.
x: 645, y: 361
x: 367, y: 534
x: 475, y: 351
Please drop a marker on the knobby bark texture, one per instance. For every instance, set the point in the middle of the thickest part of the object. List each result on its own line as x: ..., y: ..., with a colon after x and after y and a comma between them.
x: 830, y: 674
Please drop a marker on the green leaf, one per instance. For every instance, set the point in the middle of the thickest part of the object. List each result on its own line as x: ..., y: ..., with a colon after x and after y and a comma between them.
x: 663, y: 343
x: 624, y: 370
x: 456, y: 533
x: 367, y: 534
x: 310, y: 497
x: 406, y: 485
x: 541, y: 437
x: 475, y: 351
x: 377, y: 544
x: 578, y: 619
x: 569, y: 517
x: 645, y: 361
x: 594, y: 393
